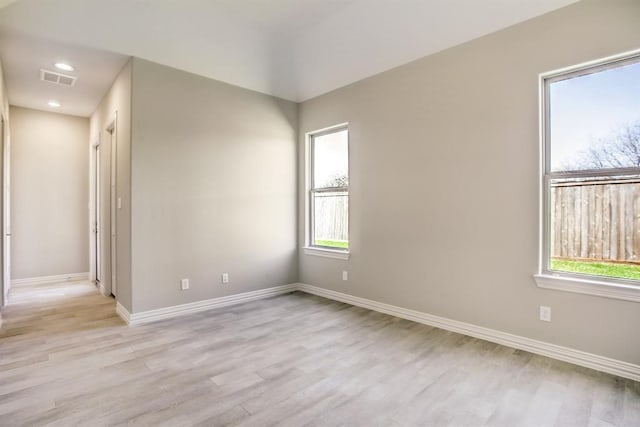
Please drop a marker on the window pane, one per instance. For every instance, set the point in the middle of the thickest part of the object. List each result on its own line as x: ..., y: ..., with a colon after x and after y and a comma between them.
x: 595, y: 226
x: 330, y: 219
x: 594, y: 120
x: 331, y: 160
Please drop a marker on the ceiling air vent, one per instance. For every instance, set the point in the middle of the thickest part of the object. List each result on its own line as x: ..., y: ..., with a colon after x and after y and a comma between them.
x: 57, y: 78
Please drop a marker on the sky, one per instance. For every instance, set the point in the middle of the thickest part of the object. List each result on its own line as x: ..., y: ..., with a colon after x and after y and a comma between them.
x: 586, y: 108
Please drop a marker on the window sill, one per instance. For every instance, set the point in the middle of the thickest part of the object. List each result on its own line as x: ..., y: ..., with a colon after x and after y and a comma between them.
x: 589, y: 287
x: 327, y: 253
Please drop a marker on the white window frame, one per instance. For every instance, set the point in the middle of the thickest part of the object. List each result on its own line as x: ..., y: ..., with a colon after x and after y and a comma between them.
x: 625, y: 289
x: 309, y: 248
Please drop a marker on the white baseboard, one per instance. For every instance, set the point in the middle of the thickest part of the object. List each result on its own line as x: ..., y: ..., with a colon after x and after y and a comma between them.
x: 577, y: 357
x: 194, y: 307
x: 43, y: 280
x: 123, y: 313
x: 103, y: 290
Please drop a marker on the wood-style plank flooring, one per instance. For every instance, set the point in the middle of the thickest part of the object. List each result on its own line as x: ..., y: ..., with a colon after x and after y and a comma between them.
x: 66, y: 359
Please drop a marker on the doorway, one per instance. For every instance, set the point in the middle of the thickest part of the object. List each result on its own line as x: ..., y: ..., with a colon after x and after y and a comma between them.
x: 111, y: 135
x: 96, y: 222
x: 102, y: 246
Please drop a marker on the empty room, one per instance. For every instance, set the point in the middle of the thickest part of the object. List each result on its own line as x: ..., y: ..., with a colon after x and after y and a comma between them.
x: 320, y: 212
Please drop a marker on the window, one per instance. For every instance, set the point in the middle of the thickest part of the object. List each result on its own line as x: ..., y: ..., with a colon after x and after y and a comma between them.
x: 328, y: 192
x: 590, y: 131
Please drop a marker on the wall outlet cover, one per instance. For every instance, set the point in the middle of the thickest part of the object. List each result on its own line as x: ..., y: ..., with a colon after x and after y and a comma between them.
x: 545, y: 313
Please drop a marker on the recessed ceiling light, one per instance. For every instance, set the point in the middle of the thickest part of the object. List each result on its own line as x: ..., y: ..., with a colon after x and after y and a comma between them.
x: 54, y: 104
x: 64, y: 66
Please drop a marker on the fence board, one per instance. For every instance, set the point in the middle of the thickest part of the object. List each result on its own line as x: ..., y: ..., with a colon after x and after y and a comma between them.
x: 636, y: 225
x: 628, y: 221
x: 556, y: 205
x: 622, y: 229
x: 613, y: 217
x: 606, y: 223
x: 596, y: 232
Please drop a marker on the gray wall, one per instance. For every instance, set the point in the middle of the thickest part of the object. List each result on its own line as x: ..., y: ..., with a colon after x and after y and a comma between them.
x: 437, y: 147
x: 117, y: 102
x: 213, y: 188
x: 49, y: 193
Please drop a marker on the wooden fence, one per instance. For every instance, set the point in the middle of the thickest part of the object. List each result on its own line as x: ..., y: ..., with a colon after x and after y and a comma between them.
x: 331, y: 216
x: 596, y: 220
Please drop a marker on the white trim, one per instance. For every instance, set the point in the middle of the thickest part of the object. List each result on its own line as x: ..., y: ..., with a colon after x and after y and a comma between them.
x: 591, y: 64
x: 93, y: 181
x: 103, y: 290
x: 589, y: 287
x: 112, y: 130
x: 43, y: 280
x: 198, y: 306
x: 308, y: 166
x: 327, y: 253
x: 123, y: 313
x: 328, y: 129
x: 577, y: 357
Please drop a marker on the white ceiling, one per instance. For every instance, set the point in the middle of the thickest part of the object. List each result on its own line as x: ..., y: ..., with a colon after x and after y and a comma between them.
x: 23, y: 57
x: 295, y: 49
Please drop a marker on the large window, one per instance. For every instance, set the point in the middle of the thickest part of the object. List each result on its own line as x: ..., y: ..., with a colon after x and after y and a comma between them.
x: 591, y: 178
x: 328, y: 185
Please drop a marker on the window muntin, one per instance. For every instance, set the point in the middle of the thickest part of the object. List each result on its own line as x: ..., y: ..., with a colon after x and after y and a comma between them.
x: 591, y: 177
x: 329, y: 189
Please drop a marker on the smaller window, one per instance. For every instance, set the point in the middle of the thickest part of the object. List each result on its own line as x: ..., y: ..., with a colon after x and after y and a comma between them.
x: 328, y: 183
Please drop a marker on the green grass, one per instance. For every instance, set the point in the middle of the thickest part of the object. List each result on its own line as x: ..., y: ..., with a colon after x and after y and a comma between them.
x: 607, y: 269
x: 333, y: 244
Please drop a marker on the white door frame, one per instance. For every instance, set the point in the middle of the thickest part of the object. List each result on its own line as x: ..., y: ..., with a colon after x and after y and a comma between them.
x: 102, y: 212
x: 94, y: 203
x: 6, y: 210
x: 112, y: 132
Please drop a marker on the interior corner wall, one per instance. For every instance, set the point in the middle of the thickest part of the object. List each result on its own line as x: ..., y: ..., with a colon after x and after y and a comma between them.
x: 213, y: 188
x: 118, y: 101
x: 444, y: 182
x: 49, y: 194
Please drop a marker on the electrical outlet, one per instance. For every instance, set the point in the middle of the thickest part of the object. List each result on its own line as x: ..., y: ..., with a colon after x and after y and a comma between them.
x: 225, y: 277
x: 184, y: 284
x: 345, y: 275
x: 545, y: 313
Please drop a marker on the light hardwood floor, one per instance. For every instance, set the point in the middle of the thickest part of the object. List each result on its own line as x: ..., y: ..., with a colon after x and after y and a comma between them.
x: 291, y: 360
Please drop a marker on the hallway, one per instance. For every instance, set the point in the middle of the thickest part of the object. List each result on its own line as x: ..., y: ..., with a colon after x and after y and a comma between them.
x: 43, y: 310
x: 52, y: 342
